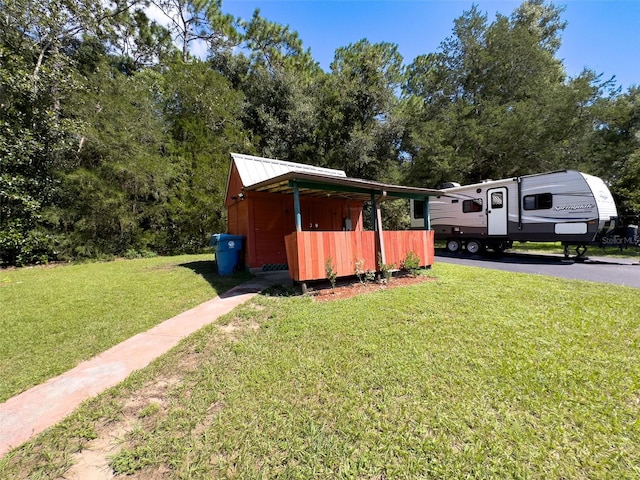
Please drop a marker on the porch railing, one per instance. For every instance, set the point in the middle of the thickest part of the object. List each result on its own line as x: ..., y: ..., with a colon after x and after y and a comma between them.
x: 308, y: 252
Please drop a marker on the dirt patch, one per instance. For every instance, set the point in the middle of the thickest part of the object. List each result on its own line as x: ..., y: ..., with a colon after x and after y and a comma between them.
x: 322, y: 291
x: 93, y: 461
x: 141, y: 410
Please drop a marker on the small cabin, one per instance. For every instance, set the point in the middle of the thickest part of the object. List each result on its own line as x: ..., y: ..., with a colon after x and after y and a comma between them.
x: 298, y: 216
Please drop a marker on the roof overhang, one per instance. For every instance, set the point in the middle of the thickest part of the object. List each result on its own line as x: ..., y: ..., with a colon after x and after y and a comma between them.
x: 323, y: 186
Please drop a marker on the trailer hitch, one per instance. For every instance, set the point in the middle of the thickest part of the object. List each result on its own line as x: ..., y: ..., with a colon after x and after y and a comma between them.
x: 580, y: 252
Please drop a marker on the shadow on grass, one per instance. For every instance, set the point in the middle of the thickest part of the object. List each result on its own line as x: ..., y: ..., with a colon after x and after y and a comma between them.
x: 221, y: 283
x: 277, y: 283
x: 508, y: 257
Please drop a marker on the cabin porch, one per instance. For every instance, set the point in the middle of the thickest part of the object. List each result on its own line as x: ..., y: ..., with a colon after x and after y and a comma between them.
x: 305, y: 215
x: 308, y: 251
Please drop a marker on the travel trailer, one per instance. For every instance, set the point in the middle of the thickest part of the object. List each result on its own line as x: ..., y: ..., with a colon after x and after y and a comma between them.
x: 574, y: 208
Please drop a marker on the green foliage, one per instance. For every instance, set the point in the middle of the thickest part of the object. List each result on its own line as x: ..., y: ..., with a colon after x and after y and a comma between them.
x: 364, y: 274
x: 128, y: 462
x: 385, y: 269
x: 395, y: 213
x: 330, y: 272
x: 193, y: 21
x: 114, y: 139
x: 202, y: 111
x: 359, y: 132
x: 360, y: 270
x: 411, y: 263
x: 615, y: 149
x: 494, y: 101
x: 35, y: 139
x: 123, y: 177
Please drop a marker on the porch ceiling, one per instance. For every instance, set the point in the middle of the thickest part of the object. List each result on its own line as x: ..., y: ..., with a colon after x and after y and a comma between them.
x: 314, y: 185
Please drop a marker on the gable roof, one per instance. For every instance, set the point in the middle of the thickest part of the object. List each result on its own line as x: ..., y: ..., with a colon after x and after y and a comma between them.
x: 253, y: 170
x: 317, y: 185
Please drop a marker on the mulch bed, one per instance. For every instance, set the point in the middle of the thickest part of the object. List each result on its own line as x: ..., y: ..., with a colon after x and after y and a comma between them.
x: 322, y: 292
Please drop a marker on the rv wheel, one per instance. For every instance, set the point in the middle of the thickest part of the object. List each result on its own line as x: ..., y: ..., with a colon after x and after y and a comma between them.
x: 474, y: 246
x: 453, y: 245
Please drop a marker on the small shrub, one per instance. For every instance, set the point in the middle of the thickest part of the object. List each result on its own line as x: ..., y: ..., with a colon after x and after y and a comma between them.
x: 386, y: 269
x: 411, y: 263
x: 364, y: 274
x: 329, y: 269
x: 131, y: 254
x: 360, y: 271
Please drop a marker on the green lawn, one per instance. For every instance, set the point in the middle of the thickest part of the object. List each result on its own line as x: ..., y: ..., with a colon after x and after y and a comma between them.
x: 54, y: 317
x: 556, y: 248
x: 480, y: 374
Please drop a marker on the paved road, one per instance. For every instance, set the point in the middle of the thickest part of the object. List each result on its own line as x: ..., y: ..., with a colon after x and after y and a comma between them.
x: 595, y: 269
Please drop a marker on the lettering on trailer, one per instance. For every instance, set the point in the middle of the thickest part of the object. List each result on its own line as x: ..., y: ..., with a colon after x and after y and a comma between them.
x: 583, y: 206
x: 621, y: 241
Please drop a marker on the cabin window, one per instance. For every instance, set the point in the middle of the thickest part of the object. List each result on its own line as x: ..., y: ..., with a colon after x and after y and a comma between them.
x: 418, y: 209
x: 497, y: 200
x: 541, y: 201
x: 469, y: 206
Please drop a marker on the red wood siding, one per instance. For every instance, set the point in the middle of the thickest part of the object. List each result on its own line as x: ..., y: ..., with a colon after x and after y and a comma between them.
x: 307, y: 252
x: 272, y: 216
x: 237, y: 216
x: 400, y: 242
x: 265, y: 219
x: 234, y: 186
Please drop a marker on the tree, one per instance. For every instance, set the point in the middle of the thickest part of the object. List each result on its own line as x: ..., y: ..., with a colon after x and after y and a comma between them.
x: 203, y: 116
x: 359, y: 132
x: 35, y: 139
x: 116, y: 192
x: 137, y: 42
x: 192, y: 21
x: 614, y: 149
x: 495, y: 101
x: 279, y: 80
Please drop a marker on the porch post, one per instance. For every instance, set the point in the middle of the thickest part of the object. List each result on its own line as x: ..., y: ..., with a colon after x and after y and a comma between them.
x: 380, y: 237
x: 373, y: 211
x: 296, y: 206
x: 427, y: 214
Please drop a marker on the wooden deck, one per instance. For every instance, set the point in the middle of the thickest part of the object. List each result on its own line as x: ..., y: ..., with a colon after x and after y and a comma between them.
x: 307, y: 252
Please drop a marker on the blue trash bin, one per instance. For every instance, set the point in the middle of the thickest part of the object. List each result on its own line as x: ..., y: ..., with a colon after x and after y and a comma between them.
x: 227, y: 248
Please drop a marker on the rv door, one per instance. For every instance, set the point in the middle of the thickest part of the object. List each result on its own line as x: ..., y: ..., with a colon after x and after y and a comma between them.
x: 497, y: 212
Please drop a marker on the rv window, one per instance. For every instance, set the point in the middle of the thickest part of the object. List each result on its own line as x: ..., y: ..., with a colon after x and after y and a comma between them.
x: 541, y: 201
x: 474, y: 205
x: 418, y: 209
x: 497, y: 200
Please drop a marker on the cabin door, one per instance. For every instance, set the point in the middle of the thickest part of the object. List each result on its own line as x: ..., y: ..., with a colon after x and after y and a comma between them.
x: 497, y: 212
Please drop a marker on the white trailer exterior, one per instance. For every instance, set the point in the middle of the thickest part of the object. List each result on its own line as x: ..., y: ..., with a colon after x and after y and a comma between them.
x: 567, y: 206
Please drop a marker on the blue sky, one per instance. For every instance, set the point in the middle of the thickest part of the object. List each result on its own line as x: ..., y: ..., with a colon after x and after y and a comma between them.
x: 603, y: 35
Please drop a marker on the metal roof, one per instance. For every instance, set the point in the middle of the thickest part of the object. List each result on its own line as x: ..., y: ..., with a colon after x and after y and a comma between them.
x: 255, y: 170
x: 318, y: 185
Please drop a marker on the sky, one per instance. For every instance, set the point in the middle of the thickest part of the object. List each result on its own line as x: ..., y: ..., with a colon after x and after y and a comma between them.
x: 602, y: 35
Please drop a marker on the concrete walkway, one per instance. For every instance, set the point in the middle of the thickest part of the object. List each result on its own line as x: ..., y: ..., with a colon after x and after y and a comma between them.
x: 40, y: 407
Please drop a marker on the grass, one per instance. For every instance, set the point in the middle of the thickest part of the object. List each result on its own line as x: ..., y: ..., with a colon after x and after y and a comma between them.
x: 557, y: 248
x: 480, y: 374
x: 54, y: 317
